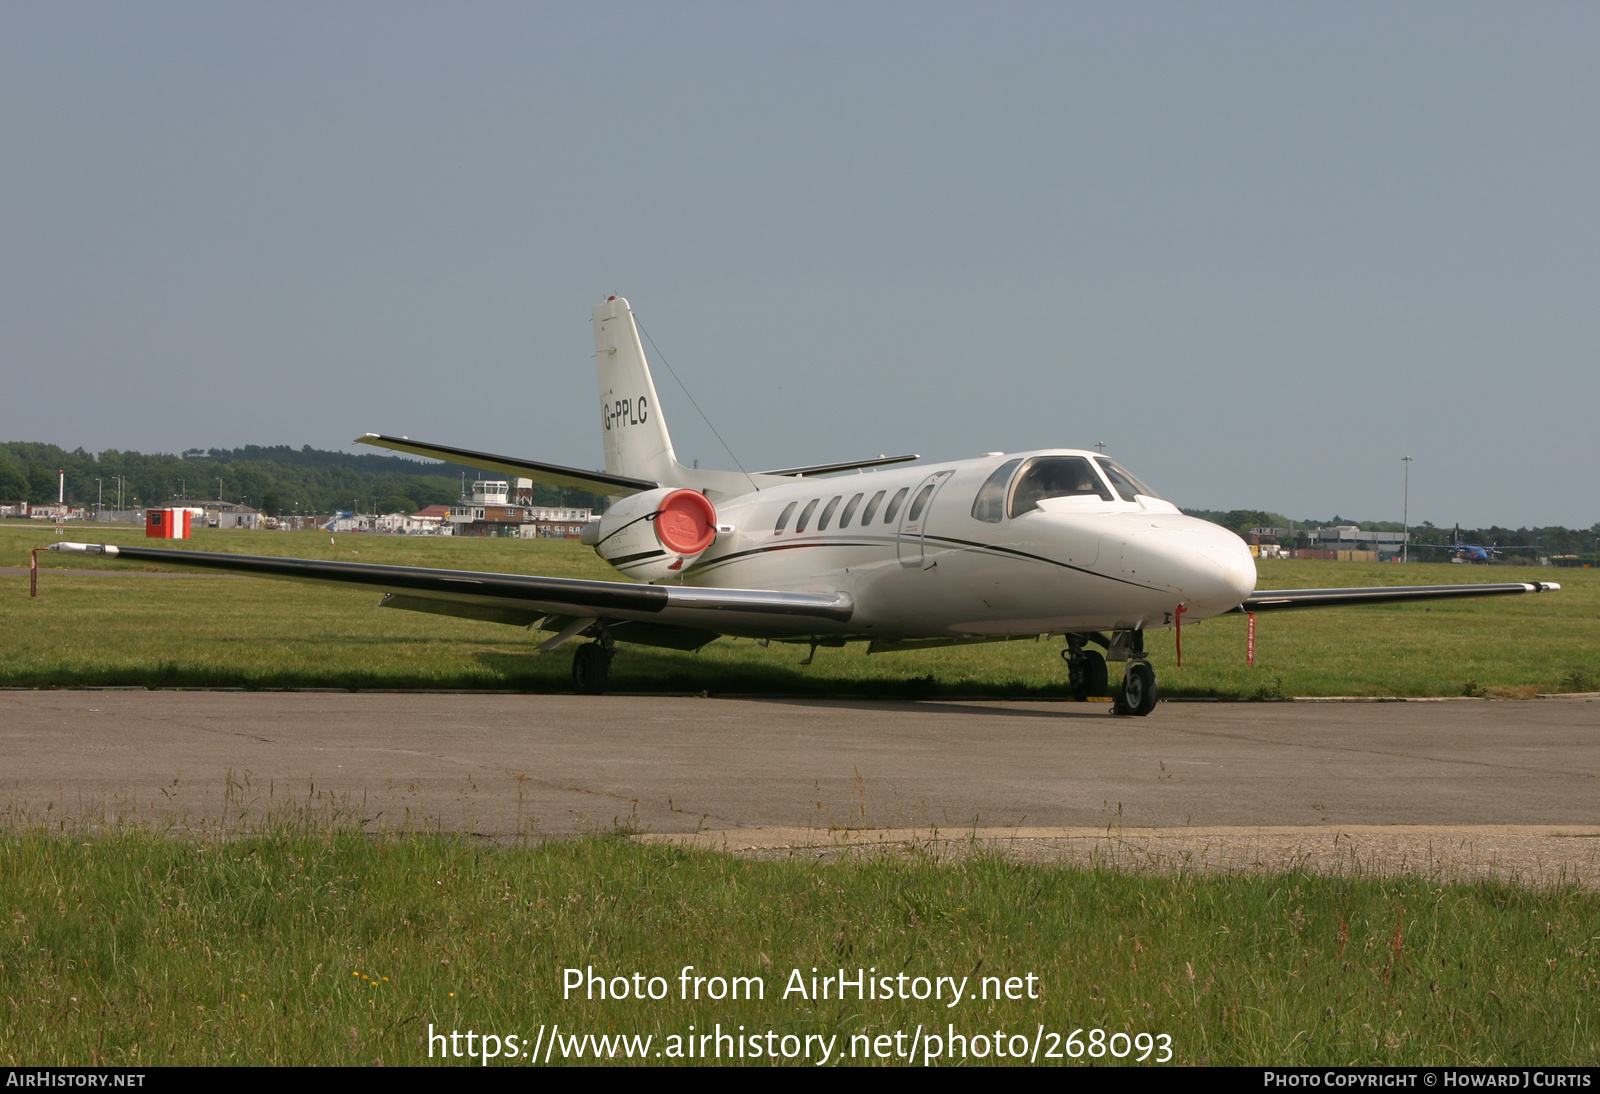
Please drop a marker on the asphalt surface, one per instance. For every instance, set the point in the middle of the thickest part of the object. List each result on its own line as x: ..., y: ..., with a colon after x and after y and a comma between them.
x: 541, y: 764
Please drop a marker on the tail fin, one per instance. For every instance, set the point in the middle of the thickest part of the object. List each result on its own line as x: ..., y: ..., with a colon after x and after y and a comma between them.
x: 635, y: 429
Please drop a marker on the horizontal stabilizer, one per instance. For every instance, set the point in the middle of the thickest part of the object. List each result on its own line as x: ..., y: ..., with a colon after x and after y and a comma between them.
x: 853, y: 465
x: 1266, y: 600
x: 594, y: 482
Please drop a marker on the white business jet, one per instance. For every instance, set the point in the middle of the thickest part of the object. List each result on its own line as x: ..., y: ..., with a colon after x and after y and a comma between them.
x: 1058, y: 541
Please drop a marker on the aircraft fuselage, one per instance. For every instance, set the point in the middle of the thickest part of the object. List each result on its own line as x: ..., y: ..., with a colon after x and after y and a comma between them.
x: 937, y: 570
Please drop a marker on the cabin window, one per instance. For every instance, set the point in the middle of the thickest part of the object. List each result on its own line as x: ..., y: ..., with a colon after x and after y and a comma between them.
x: 849, y: 511
x: 805, y: 515
x: 1055, y: 477
x: 827, y: 512
x: 872, y: 507
x: 1125, y: 484
x: 783, y: 518
x: 894, y: 504
x: 922, y: 500
x: 990, y: 504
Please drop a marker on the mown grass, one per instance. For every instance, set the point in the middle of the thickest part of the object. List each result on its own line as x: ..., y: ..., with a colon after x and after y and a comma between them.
x: 208, y: 630
x: 326, y: 947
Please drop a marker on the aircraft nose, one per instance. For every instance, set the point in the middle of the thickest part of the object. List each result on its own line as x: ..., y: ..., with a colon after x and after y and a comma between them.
x: 1208, y: 568
x: 1232, y: 555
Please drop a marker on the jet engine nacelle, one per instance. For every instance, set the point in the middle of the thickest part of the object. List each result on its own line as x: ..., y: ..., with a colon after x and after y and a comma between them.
x: 652, y: 535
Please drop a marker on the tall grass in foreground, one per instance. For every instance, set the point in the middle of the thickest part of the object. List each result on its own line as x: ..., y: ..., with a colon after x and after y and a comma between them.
x: 330, y: 948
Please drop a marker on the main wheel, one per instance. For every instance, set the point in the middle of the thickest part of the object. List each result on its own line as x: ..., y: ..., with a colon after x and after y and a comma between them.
x: 1087, y: 675
x: 1138, y: 695
x: 591, y: 669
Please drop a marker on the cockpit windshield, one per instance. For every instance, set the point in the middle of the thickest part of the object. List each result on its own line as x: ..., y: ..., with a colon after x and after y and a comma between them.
x: 1054, y: 477
x: 1126, y: 484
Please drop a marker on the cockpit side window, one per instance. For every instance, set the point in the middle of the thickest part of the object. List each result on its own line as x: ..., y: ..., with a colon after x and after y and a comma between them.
x: 1055, y: 477
x: 1126, y: 484
x: 990, y: 504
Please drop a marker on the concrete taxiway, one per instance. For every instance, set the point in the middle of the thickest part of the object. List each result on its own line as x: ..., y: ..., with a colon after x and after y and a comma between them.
x: 549, y: 764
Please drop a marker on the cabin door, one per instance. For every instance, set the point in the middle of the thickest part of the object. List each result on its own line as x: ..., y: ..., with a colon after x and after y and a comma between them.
x: 912, y: 542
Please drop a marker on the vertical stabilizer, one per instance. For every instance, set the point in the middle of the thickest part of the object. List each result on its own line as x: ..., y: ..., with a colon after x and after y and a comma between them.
x: 631, y: 420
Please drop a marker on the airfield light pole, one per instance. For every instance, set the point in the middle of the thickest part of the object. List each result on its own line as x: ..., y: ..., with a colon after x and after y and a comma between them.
x: 1405, y: 515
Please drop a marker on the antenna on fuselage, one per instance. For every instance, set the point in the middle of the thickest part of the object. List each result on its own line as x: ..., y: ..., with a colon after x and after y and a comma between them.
x: 663, y: 359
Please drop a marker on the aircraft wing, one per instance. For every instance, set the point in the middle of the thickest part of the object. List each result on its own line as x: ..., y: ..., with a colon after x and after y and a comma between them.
x: 594, y: 482
x: 683, y: 617
x: 1266, y: 600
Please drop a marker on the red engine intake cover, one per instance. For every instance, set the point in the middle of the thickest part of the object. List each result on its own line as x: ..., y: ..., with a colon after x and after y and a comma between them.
x: 686, y: 523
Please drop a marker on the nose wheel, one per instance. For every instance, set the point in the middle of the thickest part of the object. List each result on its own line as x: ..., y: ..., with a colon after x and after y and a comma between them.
x: 591, y: 668
x: 1138, y: 694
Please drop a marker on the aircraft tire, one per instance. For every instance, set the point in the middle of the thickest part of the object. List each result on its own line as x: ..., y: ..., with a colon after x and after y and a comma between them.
x: 591, y: 669
x: 1138, y: 694
x: 1087, y: 675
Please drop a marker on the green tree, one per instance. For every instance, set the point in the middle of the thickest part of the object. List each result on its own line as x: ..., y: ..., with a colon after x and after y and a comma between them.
x: 43, y: 485
x: 13, y: 484
x: 271, y: 503
x: 397, y: 503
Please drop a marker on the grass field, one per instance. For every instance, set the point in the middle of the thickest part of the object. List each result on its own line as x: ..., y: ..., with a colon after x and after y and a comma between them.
x: 315, y: 944
x: 208, y: 630
x: 307, y: 948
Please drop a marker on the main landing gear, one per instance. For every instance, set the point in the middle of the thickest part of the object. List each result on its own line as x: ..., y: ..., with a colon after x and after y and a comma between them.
x: 591, y: 667
x: 1086, y: 670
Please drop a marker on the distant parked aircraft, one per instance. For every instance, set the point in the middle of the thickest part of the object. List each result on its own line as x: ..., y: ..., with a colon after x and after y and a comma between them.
x: 1468, y: 552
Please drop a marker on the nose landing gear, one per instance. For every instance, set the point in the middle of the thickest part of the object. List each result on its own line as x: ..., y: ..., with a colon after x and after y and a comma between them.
x: 1138, y: 695
x: 1086, y: 671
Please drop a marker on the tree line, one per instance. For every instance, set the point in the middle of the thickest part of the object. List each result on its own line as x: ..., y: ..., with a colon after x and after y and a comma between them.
x: 276, y: 479
x: 1554, y: 540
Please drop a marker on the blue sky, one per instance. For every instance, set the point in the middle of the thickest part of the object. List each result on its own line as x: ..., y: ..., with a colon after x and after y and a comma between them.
x: 1260, y: 250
